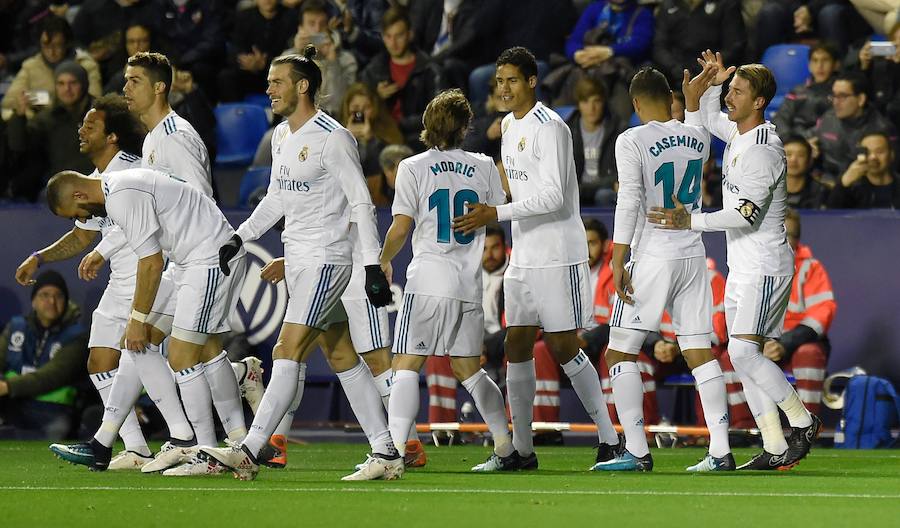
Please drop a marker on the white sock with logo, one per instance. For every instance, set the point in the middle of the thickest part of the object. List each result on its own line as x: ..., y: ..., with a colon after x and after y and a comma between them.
x: 489, y: 401
x: 521, y: 386
x: 197, y: 400
x: 226, y: 396
x: 586, y: 383
x: 159, y: 381
x: 710, y: 384
x: 284, y: 426
x: 130, y: 431
x: 628, y: 389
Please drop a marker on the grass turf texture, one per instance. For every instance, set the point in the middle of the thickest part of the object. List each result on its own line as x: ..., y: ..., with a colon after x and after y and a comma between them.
x: 830, y: 488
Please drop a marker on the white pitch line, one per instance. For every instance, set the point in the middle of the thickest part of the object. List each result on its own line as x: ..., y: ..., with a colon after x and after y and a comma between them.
x: 468, y: 491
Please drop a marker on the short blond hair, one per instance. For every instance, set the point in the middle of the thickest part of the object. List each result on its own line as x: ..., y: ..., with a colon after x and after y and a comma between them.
x: 761, y: 80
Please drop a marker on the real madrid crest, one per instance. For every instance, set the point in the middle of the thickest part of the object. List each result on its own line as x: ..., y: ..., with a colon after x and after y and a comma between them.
x: 152, y: 158
x: 734, y: 161
x: 304, y: 153
x: 521, y: 144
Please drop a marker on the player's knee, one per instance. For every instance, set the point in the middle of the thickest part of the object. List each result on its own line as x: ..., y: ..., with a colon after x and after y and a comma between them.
x: 377, y: 360
x: 102, y: 359
x: 465, y: 368
x: 743, y: 352
x: 519, y: 344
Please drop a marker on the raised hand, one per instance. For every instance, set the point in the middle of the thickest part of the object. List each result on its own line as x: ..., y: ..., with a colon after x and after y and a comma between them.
x: 694, y: 88
x: 723, y: 73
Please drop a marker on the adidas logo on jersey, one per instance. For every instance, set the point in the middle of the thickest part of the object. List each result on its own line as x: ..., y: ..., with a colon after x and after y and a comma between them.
x: 421, y: 346
x: 636, y: 319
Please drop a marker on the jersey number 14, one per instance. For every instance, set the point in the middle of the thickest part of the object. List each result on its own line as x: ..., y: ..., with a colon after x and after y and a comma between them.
x: 688, y: 191
x: 440, y: 200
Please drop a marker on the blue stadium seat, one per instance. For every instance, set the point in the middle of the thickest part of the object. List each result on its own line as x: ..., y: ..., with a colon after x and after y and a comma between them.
x: 789, y: 64
x: 565, y: 112
x: 634, y: 121
x: 239, y: 127
x: 255, y: 179
x: 258, y: 99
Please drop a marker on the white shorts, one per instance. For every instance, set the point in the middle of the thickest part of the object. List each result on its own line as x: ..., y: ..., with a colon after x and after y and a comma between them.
x: 756, y: 304
x: 369, y: 326
x: 680, y: 287
x: 557, y: 299
x: 438, y: 326
x: 199, y: 299
x: 109, y: 319
x: 314, y: 294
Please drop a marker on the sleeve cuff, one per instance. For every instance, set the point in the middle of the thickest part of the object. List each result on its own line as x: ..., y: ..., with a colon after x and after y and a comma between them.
x: 505, y: 212
x: 698, y: 222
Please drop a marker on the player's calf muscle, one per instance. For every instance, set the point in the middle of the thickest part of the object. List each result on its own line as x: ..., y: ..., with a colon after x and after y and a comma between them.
x: 102, y: 359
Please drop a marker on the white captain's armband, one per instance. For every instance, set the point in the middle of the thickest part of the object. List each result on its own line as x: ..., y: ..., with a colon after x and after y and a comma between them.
x: 749, y: 210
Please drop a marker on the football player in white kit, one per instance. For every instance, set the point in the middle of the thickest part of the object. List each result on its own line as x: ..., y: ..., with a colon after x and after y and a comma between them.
x: 192, y: 302
x: 441, y: 312
x: 111, y: 136
x: 546, y: 284
x: 173, y: 146
x: 760, y: 261
x: 667, y: 272
x: 318, y: 187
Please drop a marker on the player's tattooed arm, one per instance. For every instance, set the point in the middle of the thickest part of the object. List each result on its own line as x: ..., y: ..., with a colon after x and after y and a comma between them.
x: 68, y: 245
x: 677, y: 218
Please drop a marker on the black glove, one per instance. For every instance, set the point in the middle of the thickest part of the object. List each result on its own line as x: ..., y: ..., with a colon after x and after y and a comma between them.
x: 377, y: 288
x: 227, y: 252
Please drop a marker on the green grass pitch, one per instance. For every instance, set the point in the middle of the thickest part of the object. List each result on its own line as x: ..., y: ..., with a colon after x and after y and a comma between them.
x: 830, y: 488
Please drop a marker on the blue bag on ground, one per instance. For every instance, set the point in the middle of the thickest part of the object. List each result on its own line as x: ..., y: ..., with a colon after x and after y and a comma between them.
x: 871, y: 410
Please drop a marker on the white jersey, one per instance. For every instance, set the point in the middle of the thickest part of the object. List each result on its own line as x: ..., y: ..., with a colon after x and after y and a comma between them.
x: 432, y: 188
x: 157, y: 212
x: 656, y: 161
x: 175, y: 148
x: 754, y: 173
x: 317, y: 185
x: 547, y: 230
x: 112, y: 246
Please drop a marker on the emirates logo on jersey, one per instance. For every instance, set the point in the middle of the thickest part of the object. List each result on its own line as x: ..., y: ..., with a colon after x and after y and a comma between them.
x: 521, y: 144
x: 304, y: 153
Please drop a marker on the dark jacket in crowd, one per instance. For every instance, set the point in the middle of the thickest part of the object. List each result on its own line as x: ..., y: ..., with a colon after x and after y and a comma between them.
x: 864, y: 195
x: 467, y: 29
x: 682, y: 33
x: 476, y: 139
x: 607, y: 162
x: 46, y: 144
x: 811, y: 196
x: 802, y: 107
x: 270, y: 36
x: 423, y: 84
x: 631, y: 30
x: 364, y: 41
x: 97, y: 19
x: 884, y: 79
x: 540, y: 25
x: 36, y: 361
x: 839, y: 138
x: 192, y: 35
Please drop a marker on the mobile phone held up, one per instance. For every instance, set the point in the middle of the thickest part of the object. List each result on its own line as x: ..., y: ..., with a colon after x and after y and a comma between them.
x: 883, y: 49
x: 358, y: 117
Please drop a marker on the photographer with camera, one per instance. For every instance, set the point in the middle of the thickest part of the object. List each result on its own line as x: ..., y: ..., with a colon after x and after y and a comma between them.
x: 879, y: 62
x: 871, y: 181
x: 366, y: 118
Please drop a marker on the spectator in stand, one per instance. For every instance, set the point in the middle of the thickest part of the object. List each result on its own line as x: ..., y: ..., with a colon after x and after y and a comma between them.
x: 837, y: 134
x: 803, y: 348
x: 36, y: 77
x: 260, y: 33
x: 48, y: 143
x: 883, y: 74
x: 804, y: 104
x: 880, y: 14
x: 138, y: 38
x: 484, y: 136
x: 383, y: 185
x: 192, y: 35
x: 538, y: 25
x: 359, y: 24
x: 610, y: 39
x: 871, y: 181
x: 42, y: 355
x: 781, y: 21
x: 803, y: 190
x: 404, y: 78
x: 452, y: 32
x: 684, y: 28
x: 192, y: 104
x: 363, y: 114
x: 594, y: 132
x: 99, y: 27
x: 338, y: 66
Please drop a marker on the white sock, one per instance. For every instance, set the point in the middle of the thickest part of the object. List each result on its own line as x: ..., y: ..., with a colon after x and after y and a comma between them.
x: 403, y: 407
x: 629, y: 391
x: 489, y: 401
x: 226, y: 396
x: 384, y: 382
x: 714, y: 399
x: 130, y: 431
x: 274, y: 404
x: 586, y: 383
x: 160, y: 384
x: 768, y: 377
x: 197, y: 400
x: 359, y: 386
x: 521, y: 386
x: 284, y: 426
x: 119, y: 403
x: 772, y: 433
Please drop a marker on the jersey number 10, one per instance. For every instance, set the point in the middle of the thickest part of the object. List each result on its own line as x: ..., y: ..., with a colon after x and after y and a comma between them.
x: 440, y: 200
x: 688, y: 191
